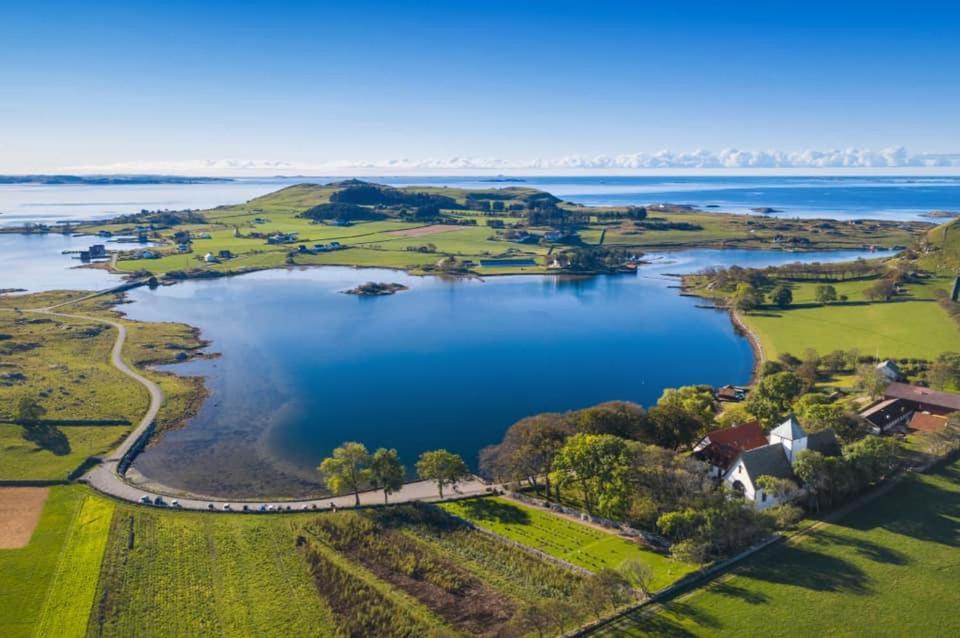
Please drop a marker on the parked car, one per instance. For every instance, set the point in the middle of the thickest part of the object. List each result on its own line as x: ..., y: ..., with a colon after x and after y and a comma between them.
x: 145, y: 499
x: 175, y: 503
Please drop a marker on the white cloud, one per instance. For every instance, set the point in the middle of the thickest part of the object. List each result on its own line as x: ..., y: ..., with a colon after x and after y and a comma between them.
x: 894, y: 157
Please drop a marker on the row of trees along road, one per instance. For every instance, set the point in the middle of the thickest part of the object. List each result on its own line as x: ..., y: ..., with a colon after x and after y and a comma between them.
x: 352, y: 468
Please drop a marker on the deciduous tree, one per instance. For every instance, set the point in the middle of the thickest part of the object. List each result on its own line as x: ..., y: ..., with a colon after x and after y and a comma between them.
x: 386, y: 471
x: 347, y: 469
x: 443, y: 468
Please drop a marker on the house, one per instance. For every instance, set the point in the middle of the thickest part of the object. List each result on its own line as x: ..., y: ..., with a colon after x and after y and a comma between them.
x: 209, y: 258
x: 225, y: 254
x: 282, y: 238
x: 889, y: 370
x: 104, y: 233
x: 887, y: 415
x: 776, y: 459
x: 731, y: 393
x: 98, y: 251
x: 720, y: 448
x: 183, y: 248
x: 924, y: 399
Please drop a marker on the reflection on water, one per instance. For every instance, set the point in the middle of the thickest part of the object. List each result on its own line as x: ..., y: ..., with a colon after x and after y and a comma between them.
x: 446, y: 364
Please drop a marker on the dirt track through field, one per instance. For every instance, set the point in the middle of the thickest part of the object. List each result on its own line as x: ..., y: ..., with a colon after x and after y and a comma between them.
x: 423, y: 230
x: 20, y: 509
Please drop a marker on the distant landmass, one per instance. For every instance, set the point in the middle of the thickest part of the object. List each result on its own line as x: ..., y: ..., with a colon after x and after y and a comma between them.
x: 106, y: 180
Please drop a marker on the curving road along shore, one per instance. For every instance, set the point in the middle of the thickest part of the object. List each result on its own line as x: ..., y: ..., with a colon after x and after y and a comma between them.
x: 107, y: 478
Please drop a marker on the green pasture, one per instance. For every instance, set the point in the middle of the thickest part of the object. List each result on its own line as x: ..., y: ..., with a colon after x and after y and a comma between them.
x: 887, y: 569
x: 568, y: 540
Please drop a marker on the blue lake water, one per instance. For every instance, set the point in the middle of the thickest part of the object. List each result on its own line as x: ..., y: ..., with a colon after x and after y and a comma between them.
x: 35, y: 263
x: 446, y: 364
x: 899, y: 198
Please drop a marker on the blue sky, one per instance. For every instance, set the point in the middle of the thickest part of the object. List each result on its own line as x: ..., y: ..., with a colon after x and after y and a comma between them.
x: 128, y: 84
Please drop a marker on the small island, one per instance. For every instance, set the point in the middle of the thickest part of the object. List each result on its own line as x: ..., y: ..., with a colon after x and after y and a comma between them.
x: 375, y: 289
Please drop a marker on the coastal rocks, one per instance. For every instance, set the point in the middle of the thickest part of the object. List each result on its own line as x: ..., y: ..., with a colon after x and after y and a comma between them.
x: 765, y: 210
x: 375, y: 289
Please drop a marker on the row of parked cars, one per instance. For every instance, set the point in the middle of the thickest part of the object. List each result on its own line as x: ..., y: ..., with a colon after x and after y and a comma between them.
x: 159, y: 501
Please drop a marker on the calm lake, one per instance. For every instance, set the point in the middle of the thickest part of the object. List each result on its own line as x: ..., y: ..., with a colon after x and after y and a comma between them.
x: 446, y: 364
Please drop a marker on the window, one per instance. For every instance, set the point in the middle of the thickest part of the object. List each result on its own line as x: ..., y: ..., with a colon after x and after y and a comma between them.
x: 763, y: 496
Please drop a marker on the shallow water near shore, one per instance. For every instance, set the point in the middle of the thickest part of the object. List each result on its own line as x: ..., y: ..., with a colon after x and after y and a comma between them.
x: 446, y: 364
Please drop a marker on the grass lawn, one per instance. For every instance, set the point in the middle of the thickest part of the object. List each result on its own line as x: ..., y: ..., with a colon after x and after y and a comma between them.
x: 561, y: 537
x: 888, y: 569
x: 26, y: 574
x: 183, y: 574
x: 23, y: 460
x: 919, y: 329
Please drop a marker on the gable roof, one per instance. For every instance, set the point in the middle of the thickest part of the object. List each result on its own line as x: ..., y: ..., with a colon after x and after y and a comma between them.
x: 723, y: 446
x: 769, y: 460
x: 926, y: 396
x: 825, y: 442
x: 789, y: 429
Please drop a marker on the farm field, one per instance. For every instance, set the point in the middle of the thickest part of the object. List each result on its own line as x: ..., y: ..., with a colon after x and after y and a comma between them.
x: 193, y: 574
x: 26, y: 573
x: 69, y: 599
x: 891, y: 566
x: 568, y: 540
x: 920, y: 329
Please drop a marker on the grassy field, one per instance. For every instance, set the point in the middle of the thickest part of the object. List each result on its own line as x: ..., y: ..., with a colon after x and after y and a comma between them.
x: 242, y: 228
x: 194, y: 574
x: 888, y: 569
x: 69, y: 599
x: 561, y: 537
x: 920, y: 329
x: 27, y: 574
x: 64, y: 365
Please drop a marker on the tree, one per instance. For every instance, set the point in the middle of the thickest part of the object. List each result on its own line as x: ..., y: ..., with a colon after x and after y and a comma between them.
x: 871, y: 380
x: 811, y: 467
x: 533, y: 617
x: 676, y: 427
x: 620, y: 418
x: 734, y: 414
x: 386, y: 471
x: 779, y: 488
x: 772, y: 397
x: 638, y: 573
x: 605, y: 591
x: 560, y: 612
x: 874, y: 458
x: 945, y: 371
x: 346, y: 470
x: 528, y: 450
x: 782, y: 296
x: 746, y: 297
x: 826, y: 294
x: 598, y: 464
x: 883, y: 290
x: 29, y: 410
x: 696, y: 400
x: 442, y: 467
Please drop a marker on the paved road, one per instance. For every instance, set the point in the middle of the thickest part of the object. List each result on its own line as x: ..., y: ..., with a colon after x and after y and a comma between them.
x: 107, y: 479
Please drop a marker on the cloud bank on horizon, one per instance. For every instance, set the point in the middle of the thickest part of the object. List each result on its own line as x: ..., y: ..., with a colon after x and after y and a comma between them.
x: 895, y: 157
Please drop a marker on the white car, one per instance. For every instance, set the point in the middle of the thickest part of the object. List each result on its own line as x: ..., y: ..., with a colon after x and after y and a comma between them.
x: 226, y: 507
x: 175, y: 503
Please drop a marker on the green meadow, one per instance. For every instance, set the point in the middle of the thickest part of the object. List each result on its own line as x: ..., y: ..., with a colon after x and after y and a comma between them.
x: 890, y: 566
x: 914, y: 329
x: 568, y: 540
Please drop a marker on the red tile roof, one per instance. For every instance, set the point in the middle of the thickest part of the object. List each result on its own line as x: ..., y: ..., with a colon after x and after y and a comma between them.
x: 727, y: 444
x: 926, y: 422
